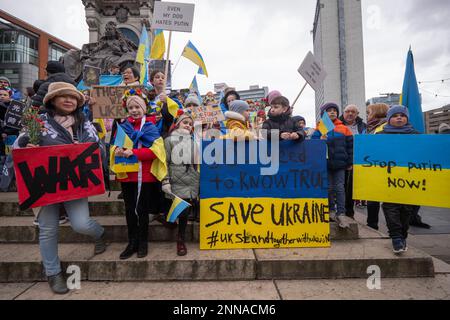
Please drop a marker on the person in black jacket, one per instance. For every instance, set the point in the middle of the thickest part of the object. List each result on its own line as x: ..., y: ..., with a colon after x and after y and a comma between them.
x: 56, y: 73
x: 398, y: 215
x: 280, y: 119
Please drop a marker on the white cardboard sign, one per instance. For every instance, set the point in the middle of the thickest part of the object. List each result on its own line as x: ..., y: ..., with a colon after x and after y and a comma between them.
x: 312, y: 71
x: 173, y: 16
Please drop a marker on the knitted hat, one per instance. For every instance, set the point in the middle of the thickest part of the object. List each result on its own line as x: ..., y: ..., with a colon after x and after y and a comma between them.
x: 444, y: 128
x: 327, y: 106
x: 397, y: 109
x: 6, y: 79
x: 239, y: 106
x: 57, y: 89
x: 272, y: 95
x: 298, y: 118
x: 192, y: 99
x: 139, y: 101
x: 55, y: 67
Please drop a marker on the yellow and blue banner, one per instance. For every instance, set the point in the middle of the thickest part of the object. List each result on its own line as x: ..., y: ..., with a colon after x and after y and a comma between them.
x: 143, y: 55
x: 190, y: 52
x: 242, y: 209
x: 325, y: 124
x: 158, y: 46
x: 177, y: 208
x: 405, y: 169
x: 410, y: 97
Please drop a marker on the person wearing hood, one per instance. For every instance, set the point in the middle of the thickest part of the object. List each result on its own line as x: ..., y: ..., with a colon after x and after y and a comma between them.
x: 237, y: 122
x: 65, y: 119
x: 56, y: 73
x: 399, y: 216
x: 340, y: 159
x: 301, y: 121
x: 183, y: 178
x: 281, y: 121
x: 16, y: 94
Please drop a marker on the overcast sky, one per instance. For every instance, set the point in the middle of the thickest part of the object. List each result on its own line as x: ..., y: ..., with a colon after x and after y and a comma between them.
x: 263, y: 42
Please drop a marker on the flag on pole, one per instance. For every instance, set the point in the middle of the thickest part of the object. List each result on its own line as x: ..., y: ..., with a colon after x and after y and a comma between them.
x: 143, y: 55
x: 410, y: 97
x: 325, y: 124
x: 193, y: 88
x: 158, y: 46
x: 122, y: 140
x: 177, y: 208
x: 190, y: 52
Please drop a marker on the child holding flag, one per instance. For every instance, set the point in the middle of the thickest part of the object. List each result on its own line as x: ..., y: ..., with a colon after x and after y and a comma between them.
x: 134, y: 154
x: 340, y: 158
x: 183, y: 179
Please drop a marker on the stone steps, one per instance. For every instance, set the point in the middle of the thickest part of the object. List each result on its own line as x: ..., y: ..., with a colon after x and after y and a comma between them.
x: 21, y: 230
x: 345, y: 259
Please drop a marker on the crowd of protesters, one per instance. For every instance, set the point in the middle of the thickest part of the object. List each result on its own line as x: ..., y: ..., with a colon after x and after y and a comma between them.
x: 68, y: 112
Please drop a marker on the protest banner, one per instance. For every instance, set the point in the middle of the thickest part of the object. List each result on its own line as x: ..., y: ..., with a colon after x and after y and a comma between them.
x: 108, y: 102
x: 172, y: 16
x: 54, y: 174
x: 406, y: 169
x: 242, y: 209
x: 14, y: 114
x: 207, y: 114
x: 91, y: 76
x: 312, y: 71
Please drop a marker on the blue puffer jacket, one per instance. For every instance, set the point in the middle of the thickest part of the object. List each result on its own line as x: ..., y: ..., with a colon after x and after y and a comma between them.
x: 340, y: 146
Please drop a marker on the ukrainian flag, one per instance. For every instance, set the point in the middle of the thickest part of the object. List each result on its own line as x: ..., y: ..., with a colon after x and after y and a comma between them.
x: 410, y: 97
x: 172, y: 106
x: 158, y: 46
x: 122, y: 140
x: 143, y: 55
x: 190, y: 52
x: 325, y: 124
x: 177, y: 208
x: 193, y: 88
x: 101, y: 123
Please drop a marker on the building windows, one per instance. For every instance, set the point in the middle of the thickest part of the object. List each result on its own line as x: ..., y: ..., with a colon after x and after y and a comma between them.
x: 18, y: 47
x: 55, y: 52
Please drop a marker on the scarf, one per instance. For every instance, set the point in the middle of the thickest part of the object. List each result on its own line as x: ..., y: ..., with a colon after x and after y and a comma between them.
x: 375, y: 123
x: 147, y: 135
x: 66, y: 122
x: 281, y: 118
x: 408, y: 128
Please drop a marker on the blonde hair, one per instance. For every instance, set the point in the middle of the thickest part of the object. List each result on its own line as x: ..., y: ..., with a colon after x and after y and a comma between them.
x: 378, y: 110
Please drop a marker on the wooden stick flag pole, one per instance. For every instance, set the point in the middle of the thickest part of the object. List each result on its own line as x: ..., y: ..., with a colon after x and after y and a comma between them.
x: 301, y: 91
x: 167, y: 63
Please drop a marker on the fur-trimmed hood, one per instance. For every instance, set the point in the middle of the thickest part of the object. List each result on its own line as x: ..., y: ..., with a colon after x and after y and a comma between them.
x: 234, y: 116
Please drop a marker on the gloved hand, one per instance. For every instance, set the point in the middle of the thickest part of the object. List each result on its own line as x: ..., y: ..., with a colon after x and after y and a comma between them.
x: 167, y: 188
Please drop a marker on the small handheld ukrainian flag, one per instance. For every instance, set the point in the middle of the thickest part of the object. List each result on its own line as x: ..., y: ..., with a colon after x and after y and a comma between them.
x: 190, y: 52
x: 177, y: 208
x: 325, y: 124
x: 122, y: 140
x: 143, y: 55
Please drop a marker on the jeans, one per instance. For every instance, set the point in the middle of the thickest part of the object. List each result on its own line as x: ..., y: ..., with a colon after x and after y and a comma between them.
x: 81, y: 222
x: 397, y: 219
x: 336, y: 191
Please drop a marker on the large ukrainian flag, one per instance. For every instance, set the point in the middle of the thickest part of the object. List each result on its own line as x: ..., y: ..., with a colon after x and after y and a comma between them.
x: 143, y: 55
x: 190, y: 52
x: 158, y: 46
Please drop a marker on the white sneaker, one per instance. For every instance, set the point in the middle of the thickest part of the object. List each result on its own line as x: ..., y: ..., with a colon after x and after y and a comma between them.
x: 332, y: 215
x: 36, y: 222
x: 341, y: 220
x: 63, y: 220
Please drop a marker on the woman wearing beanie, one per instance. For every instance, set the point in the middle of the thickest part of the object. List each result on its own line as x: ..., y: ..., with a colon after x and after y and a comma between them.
x: 398, y: 215
x: 63, y: 118
x: 238, y: 122
x: 183, y: 179
x: 139, y: 202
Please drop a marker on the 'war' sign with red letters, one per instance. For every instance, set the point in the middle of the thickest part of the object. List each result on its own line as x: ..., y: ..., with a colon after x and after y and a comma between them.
x: 55, y: 174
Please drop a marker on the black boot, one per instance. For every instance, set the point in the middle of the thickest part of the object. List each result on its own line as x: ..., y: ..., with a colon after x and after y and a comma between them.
x: 142, y: 249
x: 129, y: 250
x: 58, y: 284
